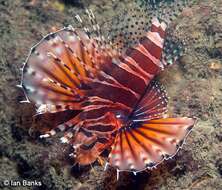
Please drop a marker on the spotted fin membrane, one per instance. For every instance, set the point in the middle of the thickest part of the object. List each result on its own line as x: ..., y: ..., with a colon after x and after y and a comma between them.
x: 135, y: 20
x: 122, y: 109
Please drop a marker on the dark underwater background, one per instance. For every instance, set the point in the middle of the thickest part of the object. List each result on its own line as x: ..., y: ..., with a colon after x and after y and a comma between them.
x: 194, y: 85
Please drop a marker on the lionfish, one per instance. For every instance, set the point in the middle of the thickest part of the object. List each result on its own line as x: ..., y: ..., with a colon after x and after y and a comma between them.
x: 122, y: 108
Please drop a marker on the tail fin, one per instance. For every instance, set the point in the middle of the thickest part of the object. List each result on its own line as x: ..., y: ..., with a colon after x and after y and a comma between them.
x: 132, y: 24
x: 166, y: 10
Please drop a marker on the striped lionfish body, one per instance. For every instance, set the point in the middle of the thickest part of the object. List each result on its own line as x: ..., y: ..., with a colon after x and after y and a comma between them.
x: 121, y: 108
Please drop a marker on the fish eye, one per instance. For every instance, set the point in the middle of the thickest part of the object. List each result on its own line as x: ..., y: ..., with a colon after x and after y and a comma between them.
x: 118, y: 116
